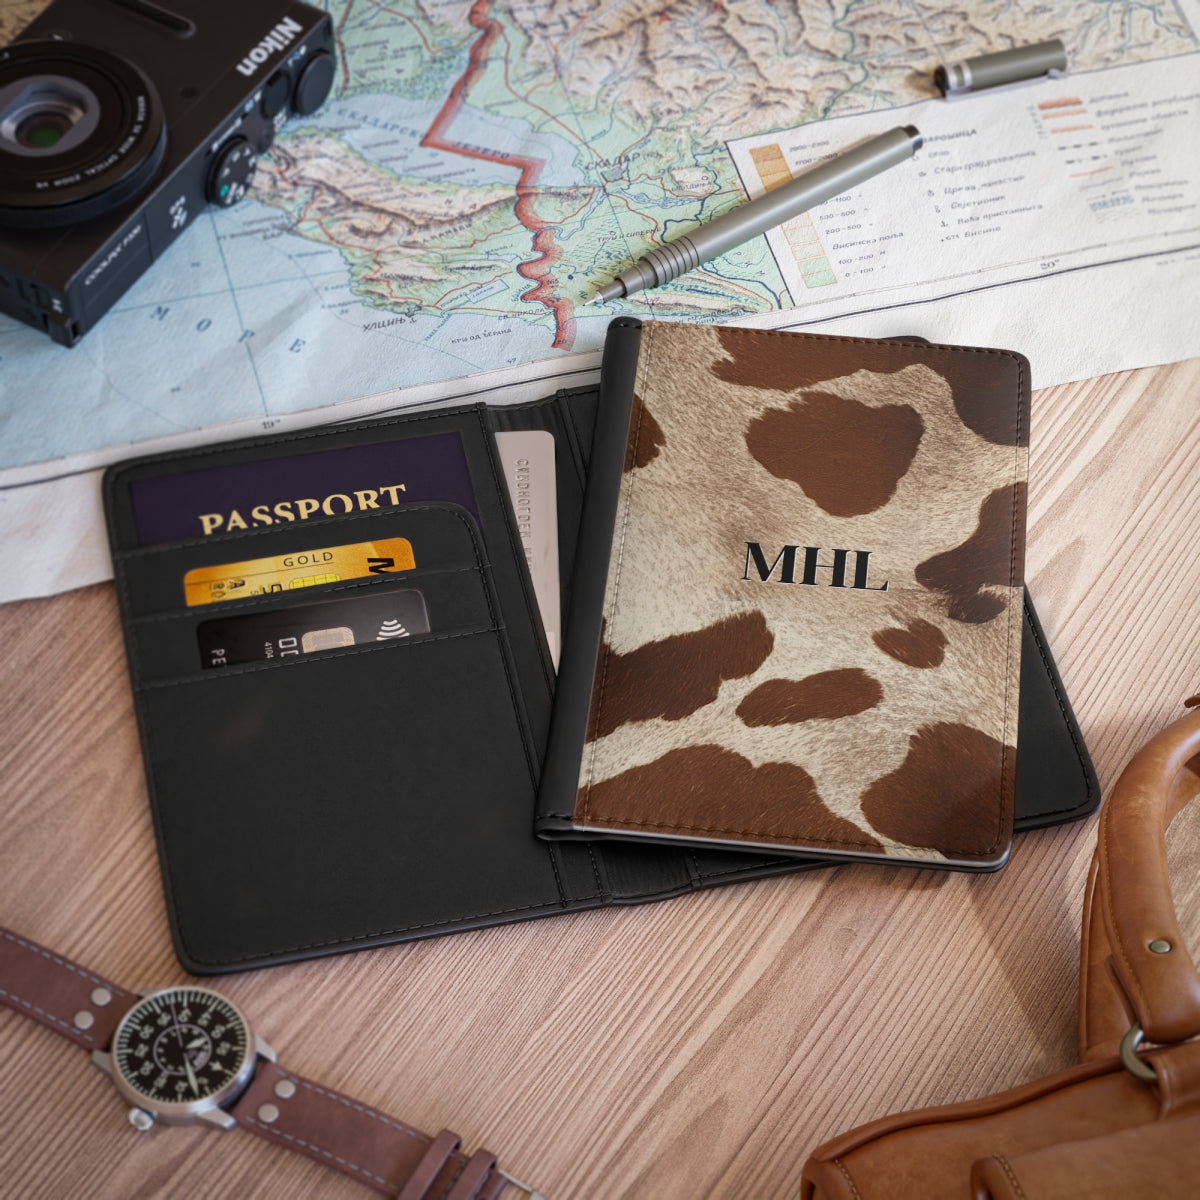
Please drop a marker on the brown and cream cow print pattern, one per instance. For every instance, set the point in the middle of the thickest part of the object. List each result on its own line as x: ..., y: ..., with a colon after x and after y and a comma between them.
x: 813, y: 614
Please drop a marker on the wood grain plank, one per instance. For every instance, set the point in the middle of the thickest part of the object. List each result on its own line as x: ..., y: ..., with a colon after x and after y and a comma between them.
x: 697, y: 1047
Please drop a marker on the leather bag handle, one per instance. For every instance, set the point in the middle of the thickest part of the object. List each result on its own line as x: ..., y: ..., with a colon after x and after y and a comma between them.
x: 1134, y: 965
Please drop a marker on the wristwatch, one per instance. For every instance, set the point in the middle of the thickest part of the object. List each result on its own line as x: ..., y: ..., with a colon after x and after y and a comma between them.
x: 186, y: 1055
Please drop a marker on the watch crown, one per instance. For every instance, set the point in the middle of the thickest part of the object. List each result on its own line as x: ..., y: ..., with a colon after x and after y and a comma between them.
x: 140, y: 1119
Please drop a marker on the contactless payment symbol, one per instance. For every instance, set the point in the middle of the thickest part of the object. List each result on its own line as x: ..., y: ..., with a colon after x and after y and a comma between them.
x: 391, y: 629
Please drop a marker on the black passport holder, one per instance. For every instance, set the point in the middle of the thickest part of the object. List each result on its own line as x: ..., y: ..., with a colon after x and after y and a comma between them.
x: 383, y: 792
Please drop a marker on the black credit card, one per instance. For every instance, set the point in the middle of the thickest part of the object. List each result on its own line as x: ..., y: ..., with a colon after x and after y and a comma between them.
x: 322, y: 625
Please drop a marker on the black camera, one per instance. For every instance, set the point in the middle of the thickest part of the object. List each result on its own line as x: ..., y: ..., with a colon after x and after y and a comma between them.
x: 120, y: 120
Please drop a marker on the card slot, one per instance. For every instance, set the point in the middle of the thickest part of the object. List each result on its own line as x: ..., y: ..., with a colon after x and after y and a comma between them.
x: 324, y: 809
x: 294, y: 597
x: 308, y: 661
x: 440, y: 535
x: 408, y: 608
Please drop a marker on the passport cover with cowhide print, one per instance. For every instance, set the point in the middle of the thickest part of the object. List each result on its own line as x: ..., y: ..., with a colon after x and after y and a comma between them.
x: 809, y: 637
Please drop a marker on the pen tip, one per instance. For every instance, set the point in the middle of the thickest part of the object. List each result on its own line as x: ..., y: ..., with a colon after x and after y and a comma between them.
x: 914, y: 133
x: 610, y: 291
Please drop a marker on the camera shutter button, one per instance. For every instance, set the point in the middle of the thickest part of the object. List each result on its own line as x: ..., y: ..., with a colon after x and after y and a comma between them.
x: 231, y: 172
x: 313, y: 83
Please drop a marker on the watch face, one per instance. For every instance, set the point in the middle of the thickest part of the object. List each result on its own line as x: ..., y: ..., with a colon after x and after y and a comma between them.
x: 182, y: 1046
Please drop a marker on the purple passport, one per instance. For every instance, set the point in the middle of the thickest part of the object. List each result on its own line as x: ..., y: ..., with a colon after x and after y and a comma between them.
x: 286, y: 491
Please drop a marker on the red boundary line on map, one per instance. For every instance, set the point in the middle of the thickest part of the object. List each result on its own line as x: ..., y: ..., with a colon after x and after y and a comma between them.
x: 539, y: 270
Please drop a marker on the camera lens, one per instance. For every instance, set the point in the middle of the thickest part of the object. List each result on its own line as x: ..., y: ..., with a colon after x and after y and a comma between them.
x: 81, y: 132
x: 44, y: 129
x: 46, y: 113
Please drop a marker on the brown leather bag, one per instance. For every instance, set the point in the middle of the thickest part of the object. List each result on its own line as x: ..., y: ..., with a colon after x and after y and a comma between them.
x: 1119, y: 1123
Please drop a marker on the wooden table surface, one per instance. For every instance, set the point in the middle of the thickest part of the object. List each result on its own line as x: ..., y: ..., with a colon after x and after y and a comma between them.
x: 698, y: 1047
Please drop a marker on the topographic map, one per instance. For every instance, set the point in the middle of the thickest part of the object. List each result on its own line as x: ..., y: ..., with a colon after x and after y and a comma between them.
x: 614, y: 120
x: 480, y: 168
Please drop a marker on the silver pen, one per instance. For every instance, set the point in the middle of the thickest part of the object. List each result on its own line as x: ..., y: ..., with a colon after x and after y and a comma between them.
x: 1025, y: 64
x: 689, y: 250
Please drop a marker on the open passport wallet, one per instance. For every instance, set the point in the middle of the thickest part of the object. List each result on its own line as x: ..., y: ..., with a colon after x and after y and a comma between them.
x: 342, y: 643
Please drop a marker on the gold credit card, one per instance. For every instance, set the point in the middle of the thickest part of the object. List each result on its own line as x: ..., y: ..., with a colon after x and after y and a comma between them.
x: 286, y: 572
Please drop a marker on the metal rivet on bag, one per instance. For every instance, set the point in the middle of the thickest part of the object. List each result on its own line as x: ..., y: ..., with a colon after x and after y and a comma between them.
x: 1160, y: 946
x: 101, y: 996
x: 268, y: 1113
x: 84, y: 1020
x: 285, y: 1089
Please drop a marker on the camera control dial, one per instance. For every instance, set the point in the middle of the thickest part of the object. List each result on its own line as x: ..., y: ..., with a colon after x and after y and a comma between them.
x: 231, y: 172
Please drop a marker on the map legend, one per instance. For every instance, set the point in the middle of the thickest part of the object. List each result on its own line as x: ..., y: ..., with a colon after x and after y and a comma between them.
x: 1113, y: 158
x: 799, y: 233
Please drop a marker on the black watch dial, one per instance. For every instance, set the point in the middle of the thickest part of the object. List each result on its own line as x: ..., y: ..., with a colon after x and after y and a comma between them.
x: 182, y: 1046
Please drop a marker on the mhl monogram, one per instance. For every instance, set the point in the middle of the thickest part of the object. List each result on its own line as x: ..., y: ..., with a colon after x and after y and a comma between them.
x: 785, y: 560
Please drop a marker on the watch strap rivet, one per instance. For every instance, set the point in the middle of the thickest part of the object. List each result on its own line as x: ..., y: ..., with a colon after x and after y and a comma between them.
x: 285, y: 1089
x: 83, y: 1019
x: 268, y: 1113
x: 101, y: 996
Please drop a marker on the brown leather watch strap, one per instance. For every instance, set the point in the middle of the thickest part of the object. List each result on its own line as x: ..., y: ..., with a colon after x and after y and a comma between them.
x: 370, y: 1146
x: 278, y: 1105
x: 60, y: 994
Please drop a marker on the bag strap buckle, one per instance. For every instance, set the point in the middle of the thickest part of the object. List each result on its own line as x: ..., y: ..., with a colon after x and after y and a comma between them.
x: 1129, y: 1059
